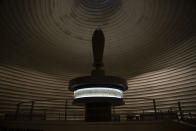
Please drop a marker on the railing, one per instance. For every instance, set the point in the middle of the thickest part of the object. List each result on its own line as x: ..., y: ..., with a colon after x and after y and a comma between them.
x: 50, y: 109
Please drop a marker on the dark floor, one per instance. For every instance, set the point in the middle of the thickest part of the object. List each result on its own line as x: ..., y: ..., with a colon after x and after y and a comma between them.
x: 95, y: 126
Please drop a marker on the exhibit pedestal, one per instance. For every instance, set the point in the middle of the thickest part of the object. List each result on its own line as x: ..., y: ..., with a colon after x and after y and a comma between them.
x: 98, y: 111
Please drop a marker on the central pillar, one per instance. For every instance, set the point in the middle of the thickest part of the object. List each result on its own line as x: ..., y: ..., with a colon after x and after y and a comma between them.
x: 98, y: 111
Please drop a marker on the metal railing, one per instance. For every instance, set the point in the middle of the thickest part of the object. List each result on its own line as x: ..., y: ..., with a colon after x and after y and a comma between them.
x: 49, y: 109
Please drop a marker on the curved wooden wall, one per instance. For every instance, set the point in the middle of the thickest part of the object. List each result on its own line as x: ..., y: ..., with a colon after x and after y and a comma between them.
x: 45, y: 43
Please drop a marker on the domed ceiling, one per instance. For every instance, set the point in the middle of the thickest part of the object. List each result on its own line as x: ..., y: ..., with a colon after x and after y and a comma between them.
x: 45, y: 43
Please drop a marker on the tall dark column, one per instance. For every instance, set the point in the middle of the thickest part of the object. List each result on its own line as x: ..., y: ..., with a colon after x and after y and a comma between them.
x: 31, y: 111
x: 17, y: 111
x: 98, y: 111
x: 180, y: 110
x: 155, y: 109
